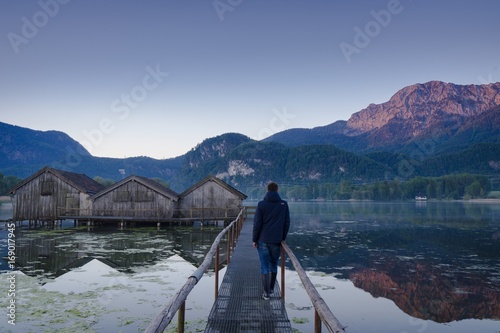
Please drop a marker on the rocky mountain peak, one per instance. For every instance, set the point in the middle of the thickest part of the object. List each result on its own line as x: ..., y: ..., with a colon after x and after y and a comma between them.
x: 424, y: 104
x: 215, y: 147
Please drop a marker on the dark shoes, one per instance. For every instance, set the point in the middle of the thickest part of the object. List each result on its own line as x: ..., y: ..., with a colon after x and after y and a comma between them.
x: 268, y: 283
x: 265, y: 284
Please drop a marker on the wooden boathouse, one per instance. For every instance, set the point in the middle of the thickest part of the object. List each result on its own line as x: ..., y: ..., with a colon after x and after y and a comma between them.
x: 137, y: 198
x: 210, y: 199
x: 49, y: 194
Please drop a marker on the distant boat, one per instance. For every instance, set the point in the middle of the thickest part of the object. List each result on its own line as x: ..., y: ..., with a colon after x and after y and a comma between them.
x: 420, y: 198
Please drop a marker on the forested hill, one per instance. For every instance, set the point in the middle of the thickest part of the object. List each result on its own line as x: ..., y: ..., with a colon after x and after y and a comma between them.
x: 24, y: 151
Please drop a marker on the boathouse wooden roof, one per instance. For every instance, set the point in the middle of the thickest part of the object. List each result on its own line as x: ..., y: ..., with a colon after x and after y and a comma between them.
x: 79, y: 181
x: 149, y: 183
x: 216, y: 180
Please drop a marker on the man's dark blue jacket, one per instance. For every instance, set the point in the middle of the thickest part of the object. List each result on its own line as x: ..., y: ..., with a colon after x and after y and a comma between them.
x: 272, y: 219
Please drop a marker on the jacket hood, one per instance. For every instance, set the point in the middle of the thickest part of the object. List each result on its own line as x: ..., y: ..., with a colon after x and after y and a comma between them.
x: 272, y: 196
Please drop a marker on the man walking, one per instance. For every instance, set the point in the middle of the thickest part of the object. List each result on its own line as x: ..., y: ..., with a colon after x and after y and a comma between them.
x: 270, y: 226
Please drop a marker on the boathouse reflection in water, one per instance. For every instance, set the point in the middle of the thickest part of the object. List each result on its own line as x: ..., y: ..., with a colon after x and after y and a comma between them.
x: 51, y: 253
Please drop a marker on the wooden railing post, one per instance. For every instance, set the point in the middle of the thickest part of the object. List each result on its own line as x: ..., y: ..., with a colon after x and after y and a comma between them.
x: 233, y: 231
x: 283, y: 253
x: 317, y: 322
x: 228, y: 247
x: 181, y: 316
x: 216, y: 268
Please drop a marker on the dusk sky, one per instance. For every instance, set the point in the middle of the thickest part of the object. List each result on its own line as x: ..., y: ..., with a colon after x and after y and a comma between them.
x: 155, y: 78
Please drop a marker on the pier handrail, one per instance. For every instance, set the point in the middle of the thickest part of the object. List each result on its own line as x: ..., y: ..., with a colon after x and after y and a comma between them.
x: 164, y: 318
x: 321, y: 309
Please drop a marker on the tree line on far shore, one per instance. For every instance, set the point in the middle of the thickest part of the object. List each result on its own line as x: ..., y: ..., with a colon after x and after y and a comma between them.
x: 460, y: 186
x: 7, y: 182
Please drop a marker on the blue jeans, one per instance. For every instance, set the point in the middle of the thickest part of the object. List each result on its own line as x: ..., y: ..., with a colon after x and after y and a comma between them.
x: 269, y: 254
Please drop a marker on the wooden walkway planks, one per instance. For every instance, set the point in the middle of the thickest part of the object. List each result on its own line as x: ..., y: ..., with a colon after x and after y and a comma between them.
x: 240, y: 306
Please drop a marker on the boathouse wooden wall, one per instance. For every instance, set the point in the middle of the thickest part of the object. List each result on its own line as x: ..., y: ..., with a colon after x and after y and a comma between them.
x: 47, y: 197
x: 210, y: 198
x: 134, y: 199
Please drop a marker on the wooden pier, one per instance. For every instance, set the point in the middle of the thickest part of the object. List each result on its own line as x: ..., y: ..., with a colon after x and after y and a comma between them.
x: 239, y: 306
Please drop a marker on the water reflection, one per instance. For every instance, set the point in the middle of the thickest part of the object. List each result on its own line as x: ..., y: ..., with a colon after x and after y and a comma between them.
x: 437, y: 261
x: 50, y: 253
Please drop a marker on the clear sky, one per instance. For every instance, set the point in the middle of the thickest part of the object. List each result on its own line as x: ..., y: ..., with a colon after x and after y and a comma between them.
x: 156, y: 77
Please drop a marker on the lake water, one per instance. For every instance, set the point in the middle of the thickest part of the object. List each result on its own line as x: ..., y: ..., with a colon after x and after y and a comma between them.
x: 380, y: 266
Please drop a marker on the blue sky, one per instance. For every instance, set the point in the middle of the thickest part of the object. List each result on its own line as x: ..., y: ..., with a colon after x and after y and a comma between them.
x: 155, y: 78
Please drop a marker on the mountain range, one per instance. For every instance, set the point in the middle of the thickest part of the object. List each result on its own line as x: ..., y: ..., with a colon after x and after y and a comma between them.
x: 449, y: 115
x: 429, y: 129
